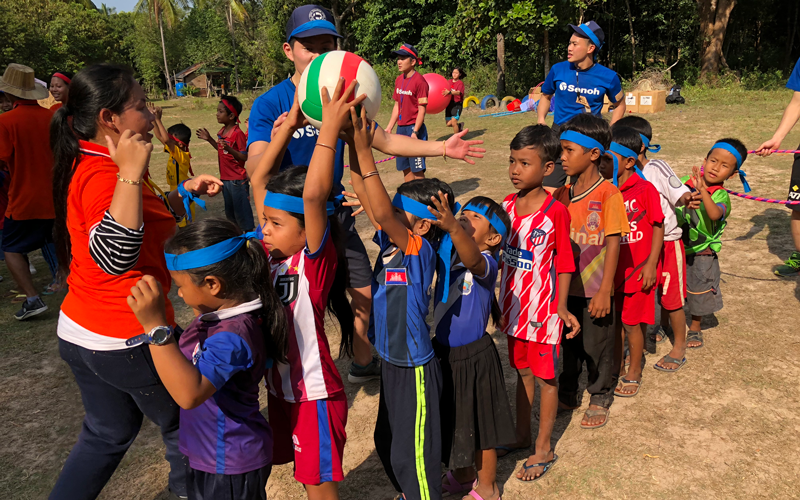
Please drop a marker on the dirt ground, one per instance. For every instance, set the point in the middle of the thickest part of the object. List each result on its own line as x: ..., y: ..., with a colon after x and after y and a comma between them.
x: 726, y: 426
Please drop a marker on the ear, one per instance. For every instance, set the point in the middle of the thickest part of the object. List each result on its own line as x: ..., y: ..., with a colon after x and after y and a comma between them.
x: 107, y: 119
x: 422, y: 226
x: 493, y: 240
x: 213, y: 285
x: 287, y: 51
x: 630, y: 163
x: 595, y: 155
x: 548, y: 169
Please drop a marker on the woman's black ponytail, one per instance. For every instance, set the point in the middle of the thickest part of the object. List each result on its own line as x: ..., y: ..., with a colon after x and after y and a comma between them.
x: 290, y: 182
x: 245, y: 276
x: 97, y: 87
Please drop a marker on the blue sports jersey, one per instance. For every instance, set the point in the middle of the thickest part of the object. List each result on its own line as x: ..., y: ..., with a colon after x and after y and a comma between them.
x: 794, y: 78
x: 401, y: 286
x: 227, y: 434
x: 463, y: 318
x: 566, y: 82
x: 267, y: 108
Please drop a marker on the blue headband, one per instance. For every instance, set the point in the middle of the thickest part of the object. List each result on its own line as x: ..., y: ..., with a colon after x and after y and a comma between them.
x: 188, y: 198
x: 625, y: 153
x: 209, y: 255
x: 582, y: 140
x: 445, y: 250
x: 732, y: 150
x: 494, y: 220
x: 292, y: 204
x: 655, y: 148
x: 321, y: 23
x: 588, y: 32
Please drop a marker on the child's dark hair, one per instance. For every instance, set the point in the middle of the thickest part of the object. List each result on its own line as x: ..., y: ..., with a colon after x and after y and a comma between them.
x: 540, y: 137
x: 590, y: 126
x: 461, y: 73
x: 737, y: 145
x: 628, y: 137
x: 244, y: 275
x: 97, y: 87
x: 233, y: 102
x: 637, y: 123
x: 421, y: 190
x: 494, y: 208
x: 181, y: 132
x: 290, y: 182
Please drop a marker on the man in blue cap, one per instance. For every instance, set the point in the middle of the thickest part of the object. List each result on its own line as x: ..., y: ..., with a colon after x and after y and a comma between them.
x: 579, y: 84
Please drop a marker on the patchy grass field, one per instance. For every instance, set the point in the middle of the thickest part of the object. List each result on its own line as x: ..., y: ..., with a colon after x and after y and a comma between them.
x: 726, y: 426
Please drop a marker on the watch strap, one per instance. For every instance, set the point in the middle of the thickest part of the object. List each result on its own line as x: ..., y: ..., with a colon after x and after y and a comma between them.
x: 139, y: 339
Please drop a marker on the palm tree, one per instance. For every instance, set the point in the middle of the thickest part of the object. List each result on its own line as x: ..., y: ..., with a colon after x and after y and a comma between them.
x: 168, y: 10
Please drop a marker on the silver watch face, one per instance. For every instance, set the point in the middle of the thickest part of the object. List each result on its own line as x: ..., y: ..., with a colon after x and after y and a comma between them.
x: 160, y: 335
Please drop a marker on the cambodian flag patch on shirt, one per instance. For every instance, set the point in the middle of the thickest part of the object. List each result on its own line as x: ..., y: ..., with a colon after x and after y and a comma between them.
x: 396, y: 276
x: 595, y: 206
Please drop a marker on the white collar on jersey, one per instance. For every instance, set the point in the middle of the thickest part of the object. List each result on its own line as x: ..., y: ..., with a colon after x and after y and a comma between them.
x: 230, y: 312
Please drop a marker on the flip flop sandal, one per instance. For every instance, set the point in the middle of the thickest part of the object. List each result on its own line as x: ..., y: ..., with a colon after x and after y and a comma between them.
x: 19, y: 298
x: 693, y: 336
x: 453, y: 487
x: 545, y: 465
x: 508, y: 450
x: 595, y: 413
x: 624, y: 381
x: 11, y: 294
x: 669, y: 359
x: 659, y: 331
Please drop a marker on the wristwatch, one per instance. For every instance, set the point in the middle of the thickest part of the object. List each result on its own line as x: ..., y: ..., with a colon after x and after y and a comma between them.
x: 159, y: 335
x: 415, y: 132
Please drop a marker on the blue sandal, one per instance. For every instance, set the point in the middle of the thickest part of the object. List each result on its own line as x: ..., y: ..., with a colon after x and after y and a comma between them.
x: 545, y: 465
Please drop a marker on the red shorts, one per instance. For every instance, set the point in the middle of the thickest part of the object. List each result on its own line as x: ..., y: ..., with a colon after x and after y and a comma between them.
x: 637, y: 307
x: 312, y: 434
x: 542, y: 359
x: 672, y: 282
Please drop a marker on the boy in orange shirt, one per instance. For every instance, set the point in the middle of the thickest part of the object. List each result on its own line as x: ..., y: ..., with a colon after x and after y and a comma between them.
x: 598, y: 222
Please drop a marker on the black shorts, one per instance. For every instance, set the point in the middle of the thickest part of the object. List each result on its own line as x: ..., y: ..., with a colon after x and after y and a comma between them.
x: 476, y: 414
x: 248, y: 486
x: 453, y: 110
x: 702, y: 284
x: 794, y: 184
x: 358, y: 266
x: 23, y: 236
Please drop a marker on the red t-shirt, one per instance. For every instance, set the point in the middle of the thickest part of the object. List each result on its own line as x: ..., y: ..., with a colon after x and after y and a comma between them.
x: 643, y: 206
x: 55, y: 107
x: 98, y: 301
x: 230, y: 169
x: 457, y: 86
x: 410, y: 93
x: 25, y: 148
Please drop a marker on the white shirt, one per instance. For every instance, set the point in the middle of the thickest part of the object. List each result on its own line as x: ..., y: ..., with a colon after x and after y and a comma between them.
x: 670, y: 189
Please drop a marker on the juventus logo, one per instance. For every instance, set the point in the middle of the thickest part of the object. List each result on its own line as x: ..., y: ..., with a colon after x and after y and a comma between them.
x: 286, y: 286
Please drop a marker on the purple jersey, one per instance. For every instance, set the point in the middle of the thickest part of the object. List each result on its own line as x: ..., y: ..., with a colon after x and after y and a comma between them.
x: 227, y: 434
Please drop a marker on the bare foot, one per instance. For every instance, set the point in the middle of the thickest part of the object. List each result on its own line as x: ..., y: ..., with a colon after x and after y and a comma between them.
x: 528, y: 473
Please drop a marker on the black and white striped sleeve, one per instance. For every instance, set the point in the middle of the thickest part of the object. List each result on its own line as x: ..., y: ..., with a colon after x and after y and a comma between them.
x: 114, y: 247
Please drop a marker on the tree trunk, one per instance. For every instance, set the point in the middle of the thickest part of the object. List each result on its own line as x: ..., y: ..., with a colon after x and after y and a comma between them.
x: 546, y: 53
x: 170, y: 90
x: 633, y: 40
x: 713, y: 58
x: 501, y: 66
x: 233, y: 41
x: 707, y: 10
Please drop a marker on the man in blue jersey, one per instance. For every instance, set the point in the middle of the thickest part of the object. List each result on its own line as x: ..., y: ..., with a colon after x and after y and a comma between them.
x: 579, y: 85
x: 310, y: 32
x: 790, y: 116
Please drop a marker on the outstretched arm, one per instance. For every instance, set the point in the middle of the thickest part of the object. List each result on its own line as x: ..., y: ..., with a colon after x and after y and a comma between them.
x: 790, y: 116
x: 455, y: 147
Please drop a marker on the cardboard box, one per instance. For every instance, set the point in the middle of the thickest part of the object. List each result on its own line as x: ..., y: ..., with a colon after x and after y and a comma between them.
x: 632, y: 102
x: 653, y: 101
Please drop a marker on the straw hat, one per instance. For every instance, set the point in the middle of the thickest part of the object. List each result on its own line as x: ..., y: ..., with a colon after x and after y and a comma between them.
x: 18, y: 81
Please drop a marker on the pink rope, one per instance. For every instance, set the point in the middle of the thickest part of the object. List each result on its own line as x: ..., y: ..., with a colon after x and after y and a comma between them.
x: 779, y: 151
x: 759, y: 198
x: 379, y: 161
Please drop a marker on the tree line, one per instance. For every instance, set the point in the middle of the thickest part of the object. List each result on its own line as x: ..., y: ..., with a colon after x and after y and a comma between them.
x: 506, y: 46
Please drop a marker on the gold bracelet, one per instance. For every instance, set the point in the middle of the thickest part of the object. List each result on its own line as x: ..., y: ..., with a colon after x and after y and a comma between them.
x: 444, y: 151
x: 128, y: 181
x: 326, y: 146
x: 370, y: 174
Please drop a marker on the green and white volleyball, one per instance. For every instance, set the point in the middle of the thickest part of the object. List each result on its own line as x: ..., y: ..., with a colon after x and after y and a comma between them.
x: 325, y: 71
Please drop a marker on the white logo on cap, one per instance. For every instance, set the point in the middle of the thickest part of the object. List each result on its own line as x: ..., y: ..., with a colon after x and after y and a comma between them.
x: 563, y: 86
x: 316, y: 15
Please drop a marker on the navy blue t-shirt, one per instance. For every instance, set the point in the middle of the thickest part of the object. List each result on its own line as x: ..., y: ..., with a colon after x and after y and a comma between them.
x: 267, y: 108
x: 565, y: 81
x: 794, y: 78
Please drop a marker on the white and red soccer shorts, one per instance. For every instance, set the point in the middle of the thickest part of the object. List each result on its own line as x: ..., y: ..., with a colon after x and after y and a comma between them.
x: 672, y: 280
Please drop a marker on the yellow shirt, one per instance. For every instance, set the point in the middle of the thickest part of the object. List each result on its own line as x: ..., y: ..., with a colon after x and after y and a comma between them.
x: 178, y: 166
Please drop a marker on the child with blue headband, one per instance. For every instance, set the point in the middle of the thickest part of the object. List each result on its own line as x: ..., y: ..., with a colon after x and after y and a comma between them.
x: 598, y: 222
x: 537, y: 269
x: 476, y: 415
x: 407, y: 433
x: 637, y: 270
x: 307, y: 403
x: 703, y: 228
x: 214, y: 370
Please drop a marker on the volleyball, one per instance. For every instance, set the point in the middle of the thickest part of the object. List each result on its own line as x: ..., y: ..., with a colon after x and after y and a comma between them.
x: 325, y: 71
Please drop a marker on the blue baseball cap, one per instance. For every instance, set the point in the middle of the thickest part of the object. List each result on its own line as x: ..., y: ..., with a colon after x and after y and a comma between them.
x: 407, y: 50
x: 592, y: 31
x: 310, y: 20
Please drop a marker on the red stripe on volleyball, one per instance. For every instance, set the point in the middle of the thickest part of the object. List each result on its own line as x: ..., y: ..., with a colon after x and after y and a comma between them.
x: 349, y: 70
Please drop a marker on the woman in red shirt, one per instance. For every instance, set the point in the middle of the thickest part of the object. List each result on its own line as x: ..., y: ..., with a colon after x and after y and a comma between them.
x: 59, y: 87
x: 110, y: 231
x: 456, y: 92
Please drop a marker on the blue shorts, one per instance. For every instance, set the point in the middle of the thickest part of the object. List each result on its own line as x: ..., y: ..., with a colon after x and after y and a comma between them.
x: 23, y: 236
x: 413, y: 164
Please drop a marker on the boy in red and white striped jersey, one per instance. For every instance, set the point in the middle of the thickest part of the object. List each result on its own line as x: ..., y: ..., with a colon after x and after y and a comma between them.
x: 537, y: 268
